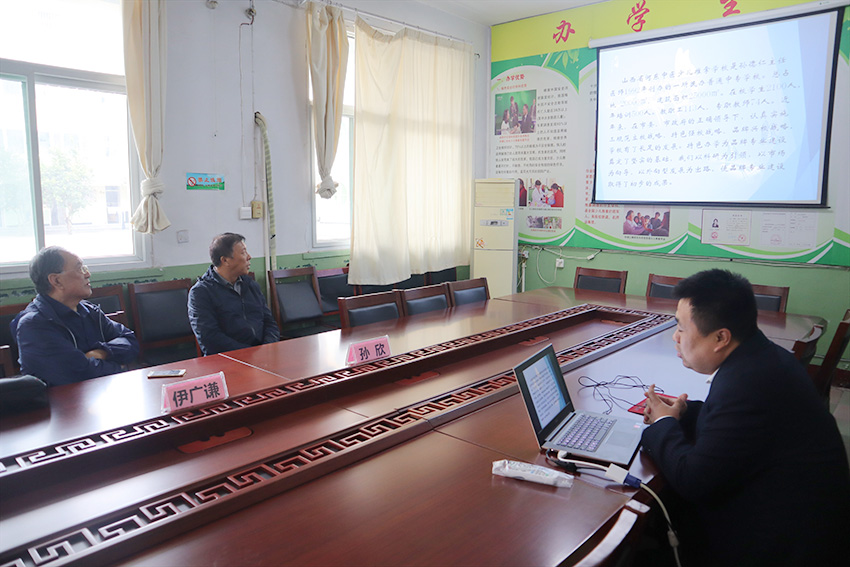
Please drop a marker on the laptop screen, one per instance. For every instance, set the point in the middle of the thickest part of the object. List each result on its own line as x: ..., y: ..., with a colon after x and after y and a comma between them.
x: 544, y: 391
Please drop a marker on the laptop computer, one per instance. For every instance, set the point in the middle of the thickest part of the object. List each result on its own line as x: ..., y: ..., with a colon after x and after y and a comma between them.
x: 558, y: 426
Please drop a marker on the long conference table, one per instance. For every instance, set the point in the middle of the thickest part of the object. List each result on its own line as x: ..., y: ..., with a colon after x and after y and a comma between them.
x: 312, y: 462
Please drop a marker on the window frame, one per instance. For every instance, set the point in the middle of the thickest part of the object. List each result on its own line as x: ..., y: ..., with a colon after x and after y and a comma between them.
x: 32, y: 74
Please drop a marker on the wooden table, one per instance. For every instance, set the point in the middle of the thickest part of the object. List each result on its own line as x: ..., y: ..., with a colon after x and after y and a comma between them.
x: 310, y: 463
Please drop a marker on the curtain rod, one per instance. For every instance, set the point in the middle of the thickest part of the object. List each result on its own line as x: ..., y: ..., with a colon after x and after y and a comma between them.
x: 302, y: 3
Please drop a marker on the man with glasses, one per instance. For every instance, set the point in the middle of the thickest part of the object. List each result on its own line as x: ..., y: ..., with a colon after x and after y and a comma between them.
x: 61, y: 337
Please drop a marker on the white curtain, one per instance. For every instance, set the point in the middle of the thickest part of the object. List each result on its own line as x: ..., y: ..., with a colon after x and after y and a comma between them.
x: 413, y: 122
x: 328, y: 55
x: 144, y: 67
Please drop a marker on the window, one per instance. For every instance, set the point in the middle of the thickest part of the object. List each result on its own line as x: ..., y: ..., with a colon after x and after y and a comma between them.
x: 332, y: 217
x: 67, y: 163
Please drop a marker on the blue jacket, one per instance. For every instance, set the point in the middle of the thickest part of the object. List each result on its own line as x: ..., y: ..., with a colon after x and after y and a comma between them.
x: 224, y: 320
x: 53, y: 341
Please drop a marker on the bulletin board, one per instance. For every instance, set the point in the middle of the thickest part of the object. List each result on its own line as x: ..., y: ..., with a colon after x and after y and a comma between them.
x: 543, y: 104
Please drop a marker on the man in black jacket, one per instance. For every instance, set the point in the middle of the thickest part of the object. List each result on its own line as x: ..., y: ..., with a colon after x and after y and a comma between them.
x: 759, y: 465
x: 227, y: 310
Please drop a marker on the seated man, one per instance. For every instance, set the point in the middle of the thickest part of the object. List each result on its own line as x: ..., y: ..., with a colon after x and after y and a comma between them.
x: 61, y: 337
x: 227, y: 309
x: 760, y: 466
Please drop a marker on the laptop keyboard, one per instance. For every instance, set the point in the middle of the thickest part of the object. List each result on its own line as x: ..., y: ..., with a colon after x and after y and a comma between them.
x: 586, y: 433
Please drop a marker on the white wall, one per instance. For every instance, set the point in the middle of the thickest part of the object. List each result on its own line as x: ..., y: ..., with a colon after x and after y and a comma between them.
x: 211, y: 101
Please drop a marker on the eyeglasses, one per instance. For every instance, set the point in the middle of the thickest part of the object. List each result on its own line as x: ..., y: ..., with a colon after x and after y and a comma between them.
x: 83, y: 269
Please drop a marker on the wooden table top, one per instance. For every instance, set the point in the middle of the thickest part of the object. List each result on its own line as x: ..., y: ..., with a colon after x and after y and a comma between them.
x: 407, y: 506
x: 359, y: 475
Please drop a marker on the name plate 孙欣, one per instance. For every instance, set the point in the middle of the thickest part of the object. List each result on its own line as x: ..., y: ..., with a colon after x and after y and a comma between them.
x: 367, y: 351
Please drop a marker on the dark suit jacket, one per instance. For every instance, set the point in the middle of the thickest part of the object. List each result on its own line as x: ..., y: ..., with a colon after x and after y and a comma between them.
x: 760, y: 463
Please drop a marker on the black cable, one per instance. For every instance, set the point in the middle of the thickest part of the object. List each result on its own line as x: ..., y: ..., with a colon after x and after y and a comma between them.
x: 602, y: 391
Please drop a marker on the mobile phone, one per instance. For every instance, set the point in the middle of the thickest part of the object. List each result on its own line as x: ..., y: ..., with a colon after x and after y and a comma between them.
x: 176, y: 373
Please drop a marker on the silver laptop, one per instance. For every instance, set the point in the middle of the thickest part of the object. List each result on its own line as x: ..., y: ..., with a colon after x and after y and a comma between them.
x: 558, y: 426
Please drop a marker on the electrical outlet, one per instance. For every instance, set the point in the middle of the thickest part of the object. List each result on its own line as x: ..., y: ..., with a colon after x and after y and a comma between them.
x: 559, y: 263
x: 257, y: 209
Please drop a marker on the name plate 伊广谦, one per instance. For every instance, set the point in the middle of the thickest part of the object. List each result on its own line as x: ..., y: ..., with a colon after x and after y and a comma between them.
x: 367, y: 351
x: 194, y: 392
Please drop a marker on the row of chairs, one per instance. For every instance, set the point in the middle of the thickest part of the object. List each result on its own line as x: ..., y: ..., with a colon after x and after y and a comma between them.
x: 382, y: 306
x: 305, y: 300
x: 159, y: 316
x: 768, y: 297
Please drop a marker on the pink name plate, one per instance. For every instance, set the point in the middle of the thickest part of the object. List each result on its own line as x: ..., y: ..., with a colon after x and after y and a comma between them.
x: 367, y: 351
x: 194, y: 392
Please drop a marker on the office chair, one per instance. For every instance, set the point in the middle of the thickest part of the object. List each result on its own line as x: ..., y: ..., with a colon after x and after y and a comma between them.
x: 661, y: 286
x: 612, y: 281
x: 161, y: 317
x: 333, y: 284
x: 371, y: 308
x: 295, y: 302
x: 9, y: 354
x: 110, y: 299
x: 619, y: 544
x: 804, y: 349
x: 770, y: 297
x: 424, y: 299
x: 823, y: 375
x: 468, y: 291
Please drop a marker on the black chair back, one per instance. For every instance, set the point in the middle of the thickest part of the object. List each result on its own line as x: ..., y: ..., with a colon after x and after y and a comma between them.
x: 598, y: 284
x: 612, y: 281
x: 771, y: 297
x: 297, y: 301
x: 768, y: 302
x: 425, y: 304
x: 163, y: 315
x: 107, y: 303
x: 331, y: 288
x: 373, y: 314
x: 472, y: 295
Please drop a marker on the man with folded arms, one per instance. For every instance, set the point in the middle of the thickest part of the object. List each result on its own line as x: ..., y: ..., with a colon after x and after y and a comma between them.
x: 61, y: 337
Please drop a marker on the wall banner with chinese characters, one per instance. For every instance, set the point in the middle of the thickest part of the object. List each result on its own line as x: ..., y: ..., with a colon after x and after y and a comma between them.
x: 544, y: 104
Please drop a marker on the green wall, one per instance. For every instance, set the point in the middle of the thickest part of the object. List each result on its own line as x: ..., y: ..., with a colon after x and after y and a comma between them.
x: 22, y: 290
x: 815, y: 290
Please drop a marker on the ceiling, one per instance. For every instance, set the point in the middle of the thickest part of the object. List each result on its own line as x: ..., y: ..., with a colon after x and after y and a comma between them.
x: 491, y: 12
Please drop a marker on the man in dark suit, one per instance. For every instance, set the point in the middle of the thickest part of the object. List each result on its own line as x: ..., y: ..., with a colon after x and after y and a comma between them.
x: 759, y: 466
